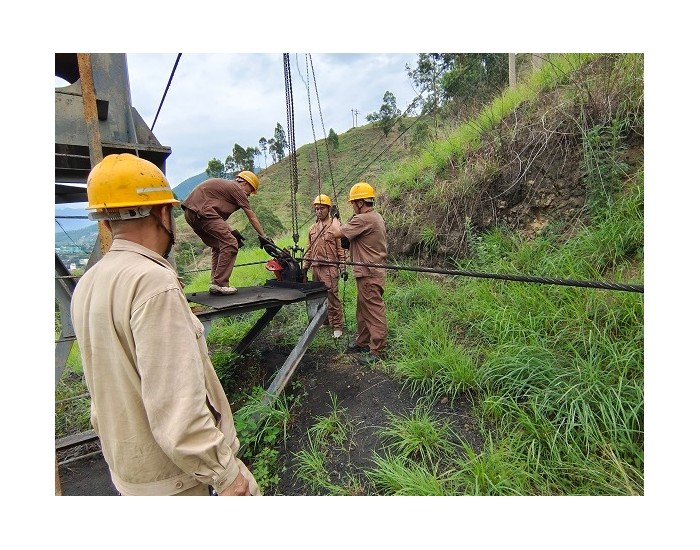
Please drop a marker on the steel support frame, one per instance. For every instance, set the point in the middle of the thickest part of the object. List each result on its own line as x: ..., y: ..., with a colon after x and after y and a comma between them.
x: 64, y: 293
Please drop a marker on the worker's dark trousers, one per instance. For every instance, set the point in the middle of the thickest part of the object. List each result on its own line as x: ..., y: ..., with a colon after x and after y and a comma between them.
x: 216, y: 233
x: 371, y: 313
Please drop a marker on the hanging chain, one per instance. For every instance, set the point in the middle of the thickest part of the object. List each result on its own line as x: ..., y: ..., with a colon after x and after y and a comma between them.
x: 293, y: 172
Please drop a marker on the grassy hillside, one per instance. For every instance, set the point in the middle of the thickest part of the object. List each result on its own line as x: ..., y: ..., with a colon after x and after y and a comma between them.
x: 363, y: 154
x: 546, y: 180
x: 553, y: 374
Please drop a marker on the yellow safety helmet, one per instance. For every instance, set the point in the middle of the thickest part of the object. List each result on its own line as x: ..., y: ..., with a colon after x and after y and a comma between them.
x: 251, y: 178
x: 124, y: 186
x: 361, y: 190
x: 322, y: 199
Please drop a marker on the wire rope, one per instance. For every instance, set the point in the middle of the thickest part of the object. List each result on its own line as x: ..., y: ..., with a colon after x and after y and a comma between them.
x: 506, y: 277
x: 167, y: 87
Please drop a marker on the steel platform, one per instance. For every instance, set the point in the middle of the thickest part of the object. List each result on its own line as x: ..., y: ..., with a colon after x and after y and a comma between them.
x: 271, y: 297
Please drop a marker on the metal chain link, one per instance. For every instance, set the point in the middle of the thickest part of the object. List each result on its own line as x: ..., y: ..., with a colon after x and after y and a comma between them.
x: 293, y: 172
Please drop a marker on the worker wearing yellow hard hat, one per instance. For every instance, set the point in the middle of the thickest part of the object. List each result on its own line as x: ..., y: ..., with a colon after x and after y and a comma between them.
x: 164, y: 422
x: 323, y: 244
x: 207, y: 209
x: 365, y: 235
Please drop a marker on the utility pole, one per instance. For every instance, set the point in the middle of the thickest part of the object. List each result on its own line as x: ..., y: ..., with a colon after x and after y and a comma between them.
x: 512, y: 77
x: 354, y: 112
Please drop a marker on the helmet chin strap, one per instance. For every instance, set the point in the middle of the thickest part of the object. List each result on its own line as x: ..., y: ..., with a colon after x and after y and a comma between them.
x: 169, y: 231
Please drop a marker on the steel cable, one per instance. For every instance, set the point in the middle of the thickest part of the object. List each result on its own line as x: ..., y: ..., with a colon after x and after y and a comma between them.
x: 167, y: 87
x: 519, y: 278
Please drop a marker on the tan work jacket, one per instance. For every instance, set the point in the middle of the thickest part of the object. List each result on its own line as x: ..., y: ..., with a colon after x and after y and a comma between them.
x: 367, y: 235
x: 323, y: 244
x: 162, y: 417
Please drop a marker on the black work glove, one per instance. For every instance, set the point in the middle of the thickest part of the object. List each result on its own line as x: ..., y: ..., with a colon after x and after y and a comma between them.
x: 334, y: 212
x: 345, y: 242
x: 344, y: 274
x: 264, y: 240
x: 240, y: 238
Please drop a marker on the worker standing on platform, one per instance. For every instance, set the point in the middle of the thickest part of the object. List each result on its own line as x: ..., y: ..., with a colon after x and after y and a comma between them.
x: 206, y: 210
x: 366, y: 234
x: 323, y: 244
x: 164, y: 422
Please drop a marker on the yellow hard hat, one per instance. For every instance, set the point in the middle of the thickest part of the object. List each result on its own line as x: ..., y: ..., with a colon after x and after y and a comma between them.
x: 322, y: 199
x: 361, y: 190
x: 125, y: 180
x: 251, y: 178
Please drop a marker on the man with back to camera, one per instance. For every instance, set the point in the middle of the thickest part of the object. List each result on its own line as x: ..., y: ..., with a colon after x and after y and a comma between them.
x: 366, y: 234
x: 206, y: 210
x: 164, y: 422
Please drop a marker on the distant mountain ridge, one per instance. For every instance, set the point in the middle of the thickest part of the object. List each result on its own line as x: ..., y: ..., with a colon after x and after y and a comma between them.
x: 71, y: 219
x: 185, y: 188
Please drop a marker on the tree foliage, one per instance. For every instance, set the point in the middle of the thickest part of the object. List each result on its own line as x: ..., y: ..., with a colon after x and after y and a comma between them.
x: 215, y: 168
x: 244, y: 159
x: 333, y: 140
x: 463, y: 77
x: 475, y: 77
x: 262, y: 142
x: 387, y: 114
x: 239, y: 159
x: 268, y: 219
x: 279, y: 143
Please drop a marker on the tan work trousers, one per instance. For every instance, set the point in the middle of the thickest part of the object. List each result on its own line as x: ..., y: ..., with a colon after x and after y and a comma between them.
x: 216, y: 233
x: 371, y: 313
x: 328, y: 275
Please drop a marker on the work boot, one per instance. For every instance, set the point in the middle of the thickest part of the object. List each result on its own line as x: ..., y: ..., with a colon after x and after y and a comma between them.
x: 216, y: 289
x: 337, y: 333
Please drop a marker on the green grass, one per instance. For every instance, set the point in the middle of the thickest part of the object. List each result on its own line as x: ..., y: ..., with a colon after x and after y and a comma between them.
x: 419, y: 436
x: 393, y: 476
x: 333, y: 429
x: 556, y: 373
x: 328, y: 435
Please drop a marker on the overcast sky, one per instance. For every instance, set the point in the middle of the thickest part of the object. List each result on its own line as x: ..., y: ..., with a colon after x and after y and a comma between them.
x: 217, y: 100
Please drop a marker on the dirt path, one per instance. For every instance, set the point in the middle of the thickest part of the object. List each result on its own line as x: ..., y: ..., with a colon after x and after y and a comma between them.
x: 364, y: 392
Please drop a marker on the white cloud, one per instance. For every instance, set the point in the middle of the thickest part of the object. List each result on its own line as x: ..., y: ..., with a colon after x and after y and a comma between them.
x: 217, y: 100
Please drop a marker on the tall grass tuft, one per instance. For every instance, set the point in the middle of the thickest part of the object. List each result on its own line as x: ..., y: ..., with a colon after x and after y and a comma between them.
x: 429, y: 357
x: 393, y: 476
x: 419, y: 436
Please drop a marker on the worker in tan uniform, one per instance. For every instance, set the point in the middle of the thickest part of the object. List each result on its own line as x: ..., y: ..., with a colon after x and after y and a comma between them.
x: 206, y: 210
x: 366, y: 234
x: 164, y: 422
x: 323, y: 244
